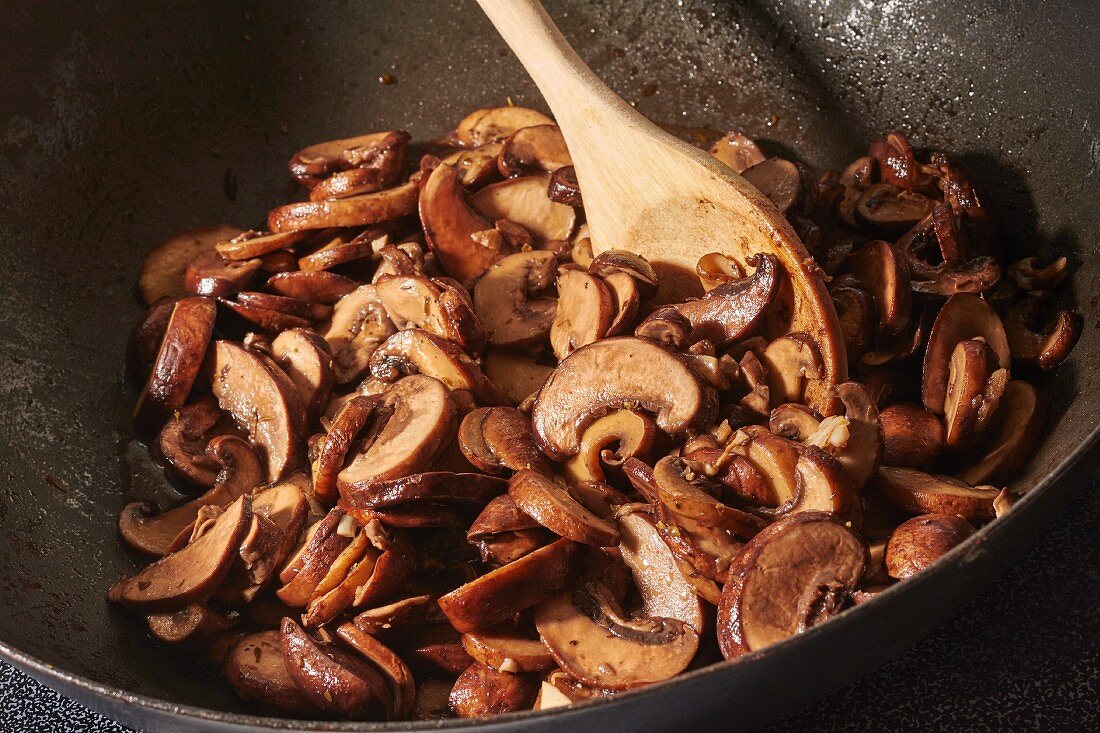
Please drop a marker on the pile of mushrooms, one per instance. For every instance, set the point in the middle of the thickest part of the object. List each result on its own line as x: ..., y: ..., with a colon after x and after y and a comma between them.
x: 440, y: 458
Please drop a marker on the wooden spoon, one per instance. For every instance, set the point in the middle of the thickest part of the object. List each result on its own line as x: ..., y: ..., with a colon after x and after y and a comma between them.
x: 649, y: 192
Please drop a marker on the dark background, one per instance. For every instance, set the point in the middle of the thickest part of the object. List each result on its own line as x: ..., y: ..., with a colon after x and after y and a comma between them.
x: 1024, y: 657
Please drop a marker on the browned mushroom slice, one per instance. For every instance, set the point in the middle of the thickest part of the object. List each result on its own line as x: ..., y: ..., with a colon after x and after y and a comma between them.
x: 179, y: 360
x: 517, y: 375
x: 327, y: 542
x: 716, y: 269
x: 612, y: 374
x: 315, y: 287
x: 584, y: 312
x: 413, y: 301
x: 925, y: 493
x: 505, y: 648
x: 433, y: 487
x: 341, y: 247
x: 1029, y: 276
x: 922, y: 540
x: 504, y: 592
x: 362, y: 210
x: 304, y: 357
x: 450, y: 225
x: 481, y: 690
x: 285, y: 506
x: 728, y: 312
x: 688, y: 494
x: 491, y: 124
x: 282, y: 304
x: 503, y: 533
x: 416, y: 418
x: 240, y: 473
x: 1022, y: 416
x: 963, y: 316
x: 861, y: 451
x: 550, y: 504
x: 885, y: 275
x: 162, y: 272
x: 210, y: 275
x: 859, y: 174
x: 182, y: 442
x: 498, y: 438
x: 891, y: 208
x: 434, y: 648
x: 416, y: 351
x: 626, y: 299
x: 795, y: 574
x: 192, y: 574
x: 329, y: 455
x: 242, y: 317
x: 256, y: 671
x: 536, y: 148
x: 504, y: 303
x: 667, y: 326
x: 565, y: 189
x: 524, y: 201
x: 395, y: 671
x: 613, y: 261
x: 855, y: 309
x: 393, y: 618
x: 250, y: 244
x: 791, y: 361
x: 794, y: 421
x: 778, y: 179
x: 359, y: 326
x: 144, y: 340
x: 736, y: 151
x: 972, y: 393
x: 912, y: 436
x: 1035, y: 342
x: 263, y: 401
x: 476, y: 166
x: 383, y: 153
x: 611, y: 440
x: 192, y: 628
x: 331, y: 678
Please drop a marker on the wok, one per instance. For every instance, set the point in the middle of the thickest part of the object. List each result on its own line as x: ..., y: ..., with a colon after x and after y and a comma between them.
x: 125, y: 122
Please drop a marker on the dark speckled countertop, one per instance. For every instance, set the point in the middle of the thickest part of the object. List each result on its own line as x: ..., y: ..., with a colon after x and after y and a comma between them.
x: 1024, y: 657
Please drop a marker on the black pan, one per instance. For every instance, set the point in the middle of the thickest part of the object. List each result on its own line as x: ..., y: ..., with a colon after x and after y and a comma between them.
x: 124, y: 122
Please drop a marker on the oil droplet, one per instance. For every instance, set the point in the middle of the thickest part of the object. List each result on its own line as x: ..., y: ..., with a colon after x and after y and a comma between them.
x: 387, y: 79
x: 649, y: 90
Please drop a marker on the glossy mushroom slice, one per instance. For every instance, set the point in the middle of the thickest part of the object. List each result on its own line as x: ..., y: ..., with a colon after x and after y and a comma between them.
x: 162, y: 271
x: 505, y: 303
x: 393, y: 669
x: 597, y: 643
x: 859, y: 447
x: 320, y: 286
x: 1038, y: 343
x: 263, y: 401
x: 481, y: 690
x: 450, y: 225
x: 533, y: 149
x: 491, y: 124
x: 974, y: 389
x: 611, y: 440
x: 500, y: 594
x: 432, y: 487
x: 240, y: 472
x: 551, y: 505
x: 524, y: 201
x: 924, y: 493
x: 1023, y: 417
x: 584, y: 313
x: 963, y: 316
x: 192, y: 628
x: 503, y: 647
x: 920, y: 541
x: 250, y: 244
x: 716, y: 269
x: 736, y: 151
x: 686, y: 493
x: 178, y: 362
x: 324, y: 543
x: 612, y: 374
x: 889, y: 208
x: 358, y: 327
x: 778, y: 179
x: 256, y: 670
x: 362, y: 210
x: 413, y: 301
x: 212, y: 276
x: 192, y: 574
x: 498, y: 438
x: 419, y: 352
x: 381, y: 154
x: 730, y: 311
x: 885, y: 275
x: 795, y: 574
x: 304, y: 357
x: 182, y: 442
x: 503, y: 533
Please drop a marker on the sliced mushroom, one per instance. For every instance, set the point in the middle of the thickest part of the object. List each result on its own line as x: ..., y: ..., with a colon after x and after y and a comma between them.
x: 250, y: 244
x: 716, y: 269
x: 862, y: 451
x: 616, y: 373
x: 362, y: 210
x: 192, y: 628
x: 359, y: 326
x: 416, y: 351
x: 304, y: 357
x: 667, y: 326
x: 182, y: 441
x: 971, y: 391
x: 503, y: 533
x: 450, y: 225
x: 1023, y: 417
x: 179, y: 360
x: 498, y: 438
x: 551, y: 505
x: 240, y: 472
x: 331, y: 451
x: 211, y: 276
x: 1029, y: 276
x: 686, y: 493
x: 256, y: 670
x: 794, y: 421
x: 504, y: 303
x: 492, y: 124
x: 925, y: 493
x: 397, y: 616
x: 855, y: 309
x: 433, y: 488
x: 1035, y: 342
x: 517, y: 375
x: 331, y: 678
x: 380, y: 153
x: 481, y: 690
x: 922, y: 540
x: 192, y: 574
x: 162, y: 271
x: 736, y: 151
x: 791, y: 361
x: 626, y: 298
x: 890, y: 208
x: 730, y: 311
x: 795, y: 574
x: 476, y: 166
x: 416, y: 418
x: 536, y: 148
x: 859, y: 174
x: 395, y: 671
x: 913, y: 436
x: 319, y: 286
x: 342, y: 247
x: 565, y: 189
x: 524, y: 201
x: 584, y: 312
x: 414, y: 301
x: 504, y: 592
x: 885, y: 275
x: 611, y: 440
x: 963, y: 316
x: 503, y: 647
x: 778, y: 179
x: 263, y: 401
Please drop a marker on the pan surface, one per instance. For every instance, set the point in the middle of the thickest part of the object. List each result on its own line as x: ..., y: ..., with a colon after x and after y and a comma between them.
x: 122, y: 123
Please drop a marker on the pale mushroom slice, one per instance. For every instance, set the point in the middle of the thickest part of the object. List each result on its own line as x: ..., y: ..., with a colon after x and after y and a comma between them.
x: 495, y: 439
x: 617, y: 373
x: 598, y: 644
x: 304, y: 356
x: 550, y: 504
x: 584, y: 312
x: 416, y: 418
x: 162, y: 271
x: 924, y: 493
x: 450, y: 225
x: 256, y: 670
x: 481, y: 690
x: 263, y: 401
x: 920, y: 541
x: 791, y: 361
x: 610, y: 441
x: 729, y: 311
x: 240, y: 472
x: 492, y: 124
x: 505, y: 301
x: 517, y: 375
x: 536, y: 148
x: 358, y: 327
x: 963, y: 316
x: 418, y: 352
x: 192, y: 574
x: 500, y: 594
x: 794, y: 575
x: 354, y: 211
x: 855, y: 439
x: 524, y: 201
x: 414, y: 301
